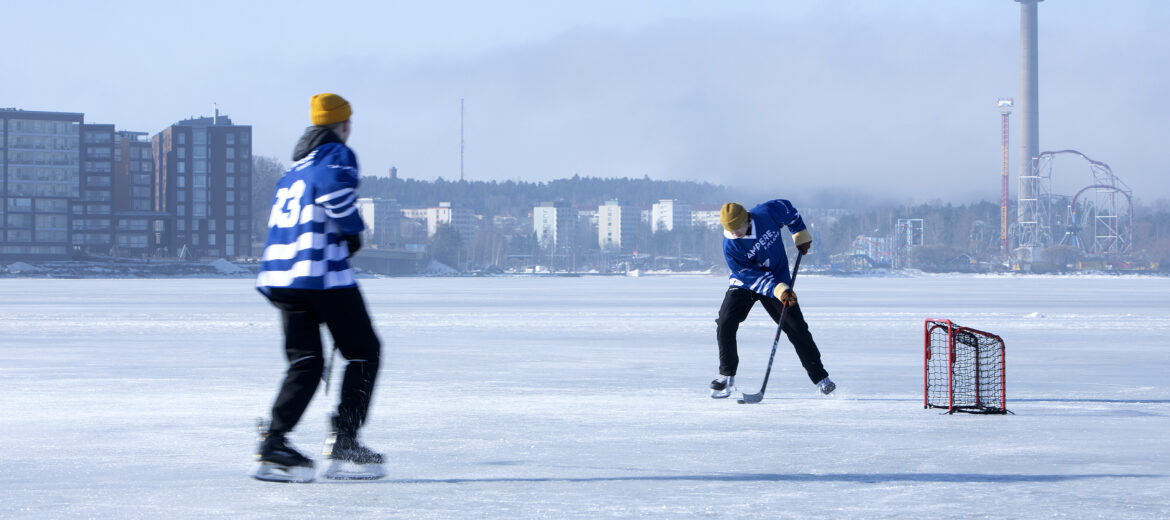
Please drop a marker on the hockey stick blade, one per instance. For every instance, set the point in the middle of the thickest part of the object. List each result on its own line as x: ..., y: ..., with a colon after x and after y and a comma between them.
x: 751, y: 398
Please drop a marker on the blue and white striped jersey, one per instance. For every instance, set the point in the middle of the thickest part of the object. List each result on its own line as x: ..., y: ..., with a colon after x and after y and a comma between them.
x: 758, y: 260
x: 313, y: 208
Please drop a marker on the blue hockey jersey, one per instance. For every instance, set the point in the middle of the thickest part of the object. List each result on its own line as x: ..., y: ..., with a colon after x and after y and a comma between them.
x: 314, y: 206
x: 758, y: 260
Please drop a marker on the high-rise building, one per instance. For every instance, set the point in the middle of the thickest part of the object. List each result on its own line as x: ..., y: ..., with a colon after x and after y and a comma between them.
x: 91, y: 223
x: 203, y: 176
x: 40, y: 181
x: 134, y: 180
x: 555, y: 224
x: 140, y: 229
x: 617, y: 226
x: 670, y: 215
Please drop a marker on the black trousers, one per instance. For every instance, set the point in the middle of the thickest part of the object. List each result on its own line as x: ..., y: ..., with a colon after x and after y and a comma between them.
x: 302, y: 312
x: 737, y: 303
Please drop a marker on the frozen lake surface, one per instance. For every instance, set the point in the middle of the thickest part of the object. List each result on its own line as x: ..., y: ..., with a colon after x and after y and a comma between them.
x: 586, y: 398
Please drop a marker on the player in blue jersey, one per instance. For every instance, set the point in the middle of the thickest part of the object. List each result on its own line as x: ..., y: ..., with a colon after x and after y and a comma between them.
x: 313, y: 229
x: 754, y: 249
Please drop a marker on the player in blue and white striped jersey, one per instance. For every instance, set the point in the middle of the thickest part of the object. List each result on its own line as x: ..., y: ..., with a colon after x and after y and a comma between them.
x: 313, y: 229
x: 754, y: 249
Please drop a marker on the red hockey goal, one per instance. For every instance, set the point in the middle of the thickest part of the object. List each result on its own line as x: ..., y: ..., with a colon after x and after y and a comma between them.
x: 963, y: 369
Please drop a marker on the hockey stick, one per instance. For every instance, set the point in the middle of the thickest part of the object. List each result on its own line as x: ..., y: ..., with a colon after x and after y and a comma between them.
x: 757, y: 397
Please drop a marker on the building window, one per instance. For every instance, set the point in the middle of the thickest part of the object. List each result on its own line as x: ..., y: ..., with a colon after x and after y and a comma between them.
x: 181, y: 153
x: 182, y: 167
x: 20, y: 220
x: 182, y: 138
x: 230, y: 138
x: 181, y: 181
x: 230, y: 153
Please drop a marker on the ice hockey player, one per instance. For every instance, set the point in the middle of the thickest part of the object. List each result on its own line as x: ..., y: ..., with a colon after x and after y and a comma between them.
x: 313, y: 229
x: 754, y: 251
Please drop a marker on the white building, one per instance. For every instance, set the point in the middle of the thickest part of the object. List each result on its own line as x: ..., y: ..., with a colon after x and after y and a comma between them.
x: 706, y: 219
x: 462, y: 219
x: 555, y: 224
x: 383, y: 218
x: 669, y: 215
x: 414, y: 213
x: 617, y: 226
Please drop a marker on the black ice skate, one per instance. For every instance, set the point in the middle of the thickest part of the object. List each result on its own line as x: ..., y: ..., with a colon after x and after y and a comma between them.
x: 722, y: 387
x: 349, y: 460
x: 277, y: 461
x: 826, y: 386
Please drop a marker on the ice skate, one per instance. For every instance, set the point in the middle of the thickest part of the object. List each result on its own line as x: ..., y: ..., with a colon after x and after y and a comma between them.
x: 277, y: 461
x: 722, y: 387
x: 349, y: 460
x: 826, y: 386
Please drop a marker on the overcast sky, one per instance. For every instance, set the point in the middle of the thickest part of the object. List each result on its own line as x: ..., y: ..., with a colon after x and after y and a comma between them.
x: 895, y: 99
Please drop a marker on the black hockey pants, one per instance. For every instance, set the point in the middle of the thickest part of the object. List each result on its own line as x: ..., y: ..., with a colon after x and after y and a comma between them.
x: 737, y: 302
x: 344, y: 312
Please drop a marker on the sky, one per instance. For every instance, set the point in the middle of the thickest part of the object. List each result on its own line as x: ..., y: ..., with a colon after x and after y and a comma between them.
x: 887, y: 99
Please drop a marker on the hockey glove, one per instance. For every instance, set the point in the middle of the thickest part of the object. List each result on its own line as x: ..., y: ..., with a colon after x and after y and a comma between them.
x: 785, y: 294
x: 803, y: 248
x: 354, y: 242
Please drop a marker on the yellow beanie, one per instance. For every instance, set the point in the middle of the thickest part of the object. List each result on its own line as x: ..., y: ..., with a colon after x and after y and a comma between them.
x: 326, y: 109
x: 732, y: 216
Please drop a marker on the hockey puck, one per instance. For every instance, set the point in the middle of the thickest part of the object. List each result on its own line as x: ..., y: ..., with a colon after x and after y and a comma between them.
x: 741, y: 401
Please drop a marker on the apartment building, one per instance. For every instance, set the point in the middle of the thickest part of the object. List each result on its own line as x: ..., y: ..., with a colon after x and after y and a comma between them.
x: 203, y: 176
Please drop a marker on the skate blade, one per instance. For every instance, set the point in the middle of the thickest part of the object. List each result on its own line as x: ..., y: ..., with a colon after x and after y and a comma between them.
x: 342, y: 470
x: 270, y: 472
x: 724, y: 394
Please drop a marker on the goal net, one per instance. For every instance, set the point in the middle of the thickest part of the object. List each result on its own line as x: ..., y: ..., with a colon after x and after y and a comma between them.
x: 963, y: 369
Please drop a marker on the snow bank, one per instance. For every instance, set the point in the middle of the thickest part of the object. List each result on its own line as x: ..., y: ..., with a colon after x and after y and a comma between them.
x: 21, y: 267
x: 438, y: 268
x: 226, y: 267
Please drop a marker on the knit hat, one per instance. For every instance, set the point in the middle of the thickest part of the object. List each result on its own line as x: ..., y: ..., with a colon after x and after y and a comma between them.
x: 732, y: 216
x: 326, y: 109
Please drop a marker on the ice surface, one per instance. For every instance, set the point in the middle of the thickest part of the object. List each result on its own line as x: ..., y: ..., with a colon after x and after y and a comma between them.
x: 586, y: 397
